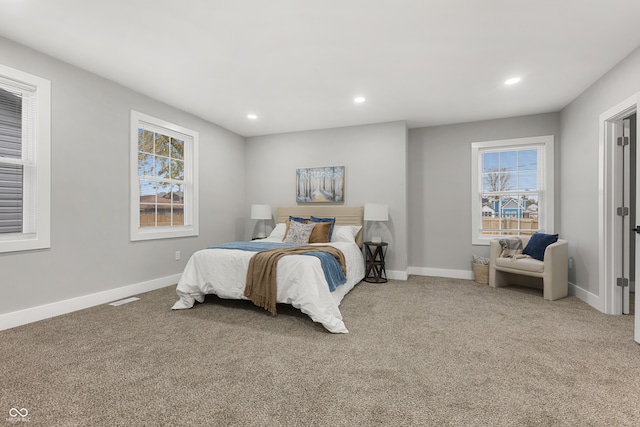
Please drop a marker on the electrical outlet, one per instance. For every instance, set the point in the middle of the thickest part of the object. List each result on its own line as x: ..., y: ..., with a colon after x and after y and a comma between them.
x: 178, y: 256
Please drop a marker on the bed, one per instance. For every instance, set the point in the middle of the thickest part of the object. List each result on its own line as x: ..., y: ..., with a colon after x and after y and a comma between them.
x: 301, y: 281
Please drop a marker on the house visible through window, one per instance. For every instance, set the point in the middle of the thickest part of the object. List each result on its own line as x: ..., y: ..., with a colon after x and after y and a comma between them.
x: 512, y: 183
x: 161, y: 175
x: 25, y: 143
x: 164, y: 187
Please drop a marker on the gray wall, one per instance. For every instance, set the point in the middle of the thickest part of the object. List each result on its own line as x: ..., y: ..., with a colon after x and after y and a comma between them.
x: 423, y: 174
x: 374, y: 157
x: 90, y: 248
x: 439, y: 184
x: 579, y: 166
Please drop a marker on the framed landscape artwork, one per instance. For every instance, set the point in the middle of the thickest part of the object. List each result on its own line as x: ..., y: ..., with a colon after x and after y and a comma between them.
x: 320, y: 185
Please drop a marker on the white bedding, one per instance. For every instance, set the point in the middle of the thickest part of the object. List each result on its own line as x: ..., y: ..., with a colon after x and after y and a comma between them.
x: 301, y: 281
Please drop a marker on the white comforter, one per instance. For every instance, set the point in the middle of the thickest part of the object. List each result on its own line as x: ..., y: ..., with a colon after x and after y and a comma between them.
x: 301, y: 281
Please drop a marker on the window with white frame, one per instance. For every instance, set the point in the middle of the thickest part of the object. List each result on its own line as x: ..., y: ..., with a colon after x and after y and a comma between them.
x: 164, y: 186
x: 512, y: 187
x: 25, y: 161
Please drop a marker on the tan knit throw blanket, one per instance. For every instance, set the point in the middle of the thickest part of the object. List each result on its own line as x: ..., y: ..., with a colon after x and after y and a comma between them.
x: 511, y: 247
x: 261, y: 286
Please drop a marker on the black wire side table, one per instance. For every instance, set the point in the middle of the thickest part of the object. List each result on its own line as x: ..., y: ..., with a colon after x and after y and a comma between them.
x: 374, y: 270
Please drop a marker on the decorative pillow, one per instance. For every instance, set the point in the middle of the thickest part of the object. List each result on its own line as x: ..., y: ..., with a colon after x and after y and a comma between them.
x: 320, y: 233
x: 296, y: 219
x: 299, y: 232
x: 330, y: 220
x: 345, y: 233
x: 287, y: 224
x: 538, y: 243
x: 279, y: 231
x: 480, y: 260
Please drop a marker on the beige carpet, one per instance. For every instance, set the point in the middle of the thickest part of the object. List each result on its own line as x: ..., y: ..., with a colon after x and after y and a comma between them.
x: 425, y: 352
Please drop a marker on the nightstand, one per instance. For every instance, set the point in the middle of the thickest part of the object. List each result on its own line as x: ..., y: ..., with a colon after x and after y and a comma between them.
x: 374, y: 256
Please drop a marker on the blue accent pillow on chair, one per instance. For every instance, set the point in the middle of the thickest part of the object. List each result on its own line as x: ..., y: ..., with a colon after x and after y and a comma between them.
x: 538, y: 243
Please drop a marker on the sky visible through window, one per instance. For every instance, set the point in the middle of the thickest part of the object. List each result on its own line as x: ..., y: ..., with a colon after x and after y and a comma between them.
x: 160, y: 158
x: 518, y: 170
x: 161, y: 179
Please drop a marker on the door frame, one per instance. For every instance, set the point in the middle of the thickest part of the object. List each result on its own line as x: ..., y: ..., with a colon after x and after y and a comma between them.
x: 610, y: 295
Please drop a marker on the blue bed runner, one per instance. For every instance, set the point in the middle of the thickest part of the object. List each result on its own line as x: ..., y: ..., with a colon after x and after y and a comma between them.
x: 253, y: 246
x: 330, y: 266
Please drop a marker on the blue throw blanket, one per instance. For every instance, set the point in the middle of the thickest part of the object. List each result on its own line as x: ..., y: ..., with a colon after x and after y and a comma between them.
x: 253, y: 246
x: 330, y: 266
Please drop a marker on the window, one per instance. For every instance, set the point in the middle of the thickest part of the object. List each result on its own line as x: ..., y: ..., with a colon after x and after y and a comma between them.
x: 164, y: 188
x: 512, y: 187
x: 25, y: 161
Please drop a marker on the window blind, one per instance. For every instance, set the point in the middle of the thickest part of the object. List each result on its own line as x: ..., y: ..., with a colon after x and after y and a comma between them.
x: 11, y: 168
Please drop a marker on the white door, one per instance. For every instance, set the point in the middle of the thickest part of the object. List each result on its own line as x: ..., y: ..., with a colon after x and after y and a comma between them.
x: 620, y: 193
x: 624, y: 237
x: 633, y: 133
x: 628, y: 235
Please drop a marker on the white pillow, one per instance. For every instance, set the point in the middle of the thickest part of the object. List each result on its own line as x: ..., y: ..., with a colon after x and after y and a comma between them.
x: 345, y: 233
x: 278, y: 232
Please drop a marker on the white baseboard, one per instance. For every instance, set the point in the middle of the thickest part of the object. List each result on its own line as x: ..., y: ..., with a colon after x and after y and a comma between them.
x: 586, y: 296
x: 34, y: 314
x: 441, y: 272
x: 397, y: 275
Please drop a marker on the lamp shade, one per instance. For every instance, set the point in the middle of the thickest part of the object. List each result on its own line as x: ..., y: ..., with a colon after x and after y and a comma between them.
x: 260, y: 212
x: 376, y: 212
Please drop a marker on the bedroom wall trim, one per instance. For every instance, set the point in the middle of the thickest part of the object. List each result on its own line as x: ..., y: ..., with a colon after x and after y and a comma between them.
x: 609, y: 228
x: 397, y: 275
x: 46, y: 311
x: 574, y: 290
x: 593, y: 300
x: 441, y: 272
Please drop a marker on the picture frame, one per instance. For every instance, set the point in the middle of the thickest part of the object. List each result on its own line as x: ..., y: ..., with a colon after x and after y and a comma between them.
x: 320, y: 185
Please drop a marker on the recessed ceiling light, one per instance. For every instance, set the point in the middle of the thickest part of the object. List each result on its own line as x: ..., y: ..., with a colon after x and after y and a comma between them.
x: 512, y: 81
x: 359, y: 99
x: 252, y: 116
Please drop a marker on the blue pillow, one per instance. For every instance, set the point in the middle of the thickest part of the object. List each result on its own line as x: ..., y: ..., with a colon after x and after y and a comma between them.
x: 538, y: 243
x: 331, y: 220
x: 298, y: 219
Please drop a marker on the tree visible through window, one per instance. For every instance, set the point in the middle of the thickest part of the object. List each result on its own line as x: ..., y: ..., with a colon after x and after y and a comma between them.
x: 161, y: 177
x: 513, y: 187
x: 164, y: 187
x: 510, y: 191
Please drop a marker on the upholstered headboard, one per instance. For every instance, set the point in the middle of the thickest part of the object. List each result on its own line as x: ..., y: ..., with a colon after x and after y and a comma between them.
x: 344, y: 215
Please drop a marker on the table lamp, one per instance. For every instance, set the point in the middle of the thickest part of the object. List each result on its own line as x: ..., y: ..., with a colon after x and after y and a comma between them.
x: 376, y: 212
x: 261, y: 212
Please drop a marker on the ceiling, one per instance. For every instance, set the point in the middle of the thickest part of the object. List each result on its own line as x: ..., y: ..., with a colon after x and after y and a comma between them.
x: 298, y: 64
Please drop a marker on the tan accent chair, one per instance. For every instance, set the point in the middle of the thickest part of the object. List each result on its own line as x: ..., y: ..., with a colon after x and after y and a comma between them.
x: 551, y: 275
